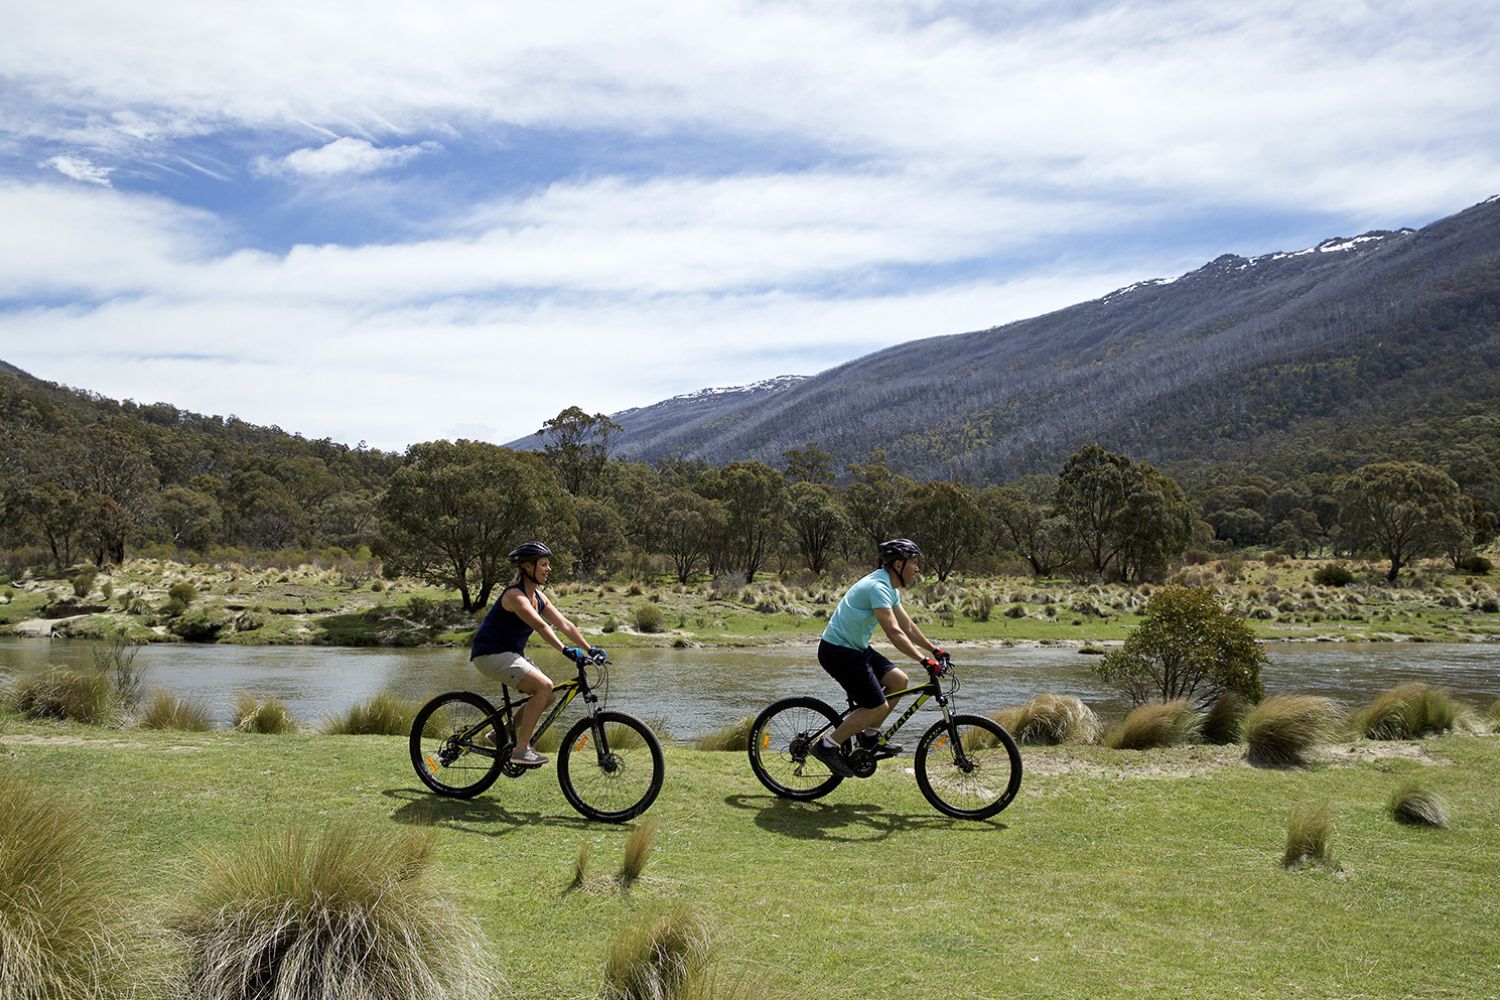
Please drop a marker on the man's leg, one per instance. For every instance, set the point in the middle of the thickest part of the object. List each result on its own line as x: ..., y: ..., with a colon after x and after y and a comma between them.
x: 894, y: 679
x: 539, y: 687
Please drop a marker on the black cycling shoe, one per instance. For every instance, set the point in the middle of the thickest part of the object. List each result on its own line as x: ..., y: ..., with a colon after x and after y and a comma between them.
x: 832, y: 758
x: 879, y: 753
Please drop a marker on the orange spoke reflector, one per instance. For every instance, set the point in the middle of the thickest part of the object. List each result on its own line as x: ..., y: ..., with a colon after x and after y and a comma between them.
x: 765, y: 741
x: 582, y: 742
x: 939, y: 744
x: 431, y: 764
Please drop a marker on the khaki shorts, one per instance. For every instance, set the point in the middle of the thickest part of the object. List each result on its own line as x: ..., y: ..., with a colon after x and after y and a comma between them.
x: 509, y: 669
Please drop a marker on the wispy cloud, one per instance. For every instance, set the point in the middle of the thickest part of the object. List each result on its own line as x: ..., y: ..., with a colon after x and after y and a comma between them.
x: 79, y: 168
x: 344, y: 156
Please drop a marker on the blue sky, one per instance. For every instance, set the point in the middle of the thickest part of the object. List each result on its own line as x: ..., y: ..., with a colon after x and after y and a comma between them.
x: 399, y: 222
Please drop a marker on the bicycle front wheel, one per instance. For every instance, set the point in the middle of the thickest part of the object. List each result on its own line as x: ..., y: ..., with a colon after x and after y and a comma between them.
x: 968, y: 768
x: 610, y: 768
x: 781, y: 739
x: 447, y: 747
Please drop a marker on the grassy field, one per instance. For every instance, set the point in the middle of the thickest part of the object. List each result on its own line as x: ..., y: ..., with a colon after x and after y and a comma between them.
x: 311, y: 605
x: 1114, y: 874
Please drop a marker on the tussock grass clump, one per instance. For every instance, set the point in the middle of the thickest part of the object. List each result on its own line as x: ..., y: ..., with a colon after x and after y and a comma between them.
x: 270, y: 717
x: 1494, y: 713
x: 638, y: 848
x: 66, y: 694
x: 1224, y: 722
x: 647, y: 618
x: 1309, y: 831
x: 581, y: 863
x: 1416, y: 806
x: 1407, y: 712
x: 666, y: 959
x: 167, y: 711
x: 1164, y: 724
x: 297, y: 914
x: 1283, y: 728
x: 735, y: 736
x: 59, y: 933
x: 385, y: 714
x: 1050, y: 719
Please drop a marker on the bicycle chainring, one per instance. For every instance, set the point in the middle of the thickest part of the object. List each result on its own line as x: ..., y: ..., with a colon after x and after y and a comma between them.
x: 861, y: 762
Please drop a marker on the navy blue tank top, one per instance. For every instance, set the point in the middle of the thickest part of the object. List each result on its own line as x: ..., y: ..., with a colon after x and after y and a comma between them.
x: 503, y: 631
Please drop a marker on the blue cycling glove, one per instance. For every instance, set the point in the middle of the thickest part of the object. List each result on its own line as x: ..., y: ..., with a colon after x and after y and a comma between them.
x: 574, y: 653
x: 598, y: 653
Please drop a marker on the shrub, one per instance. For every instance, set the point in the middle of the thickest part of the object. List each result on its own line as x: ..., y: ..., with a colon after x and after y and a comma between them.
x: 647, y: 617
x: 1283, y: 728
x: 1165, y: 724
x: 1187, y: 646
x: 1333, y: 575
x: 609, y: 624
x: 116, y: 660
x: 638, y: 848
x: 663, y: 960
x: 1478, y: 565
x: 981, y: 607
x: 182, y: 593
x: 1415, y: 806
x: 297, y: 915
x: 60, y: 930
x: 735, y: 736
x: 270, y: 717
x: 66, y: 694
x: 1407, y: 712
x: 1309, y: 831
x: 385, y: 714
x: 1019, y: 611
x: 1050, y: 719
x: 167, y: 711
x: 83, y: 582
x: 1225, y: 720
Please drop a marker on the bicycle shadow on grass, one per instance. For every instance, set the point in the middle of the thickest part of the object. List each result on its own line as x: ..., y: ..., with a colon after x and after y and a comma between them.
x: 480, y: 815
x: 850, y: 822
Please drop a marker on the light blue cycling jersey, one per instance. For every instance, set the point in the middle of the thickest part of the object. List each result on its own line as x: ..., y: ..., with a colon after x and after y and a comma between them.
x: 853, y: 621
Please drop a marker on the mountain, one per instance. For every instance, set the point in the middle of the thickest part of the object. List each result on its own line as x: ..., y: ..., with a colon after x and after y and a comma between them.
x: 1240, y: 355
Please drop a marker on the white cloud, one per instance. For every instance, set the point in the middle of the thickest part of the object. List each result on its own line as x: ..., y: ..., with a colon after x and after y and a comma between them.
x: 80, y: 169
x: 345, y: 155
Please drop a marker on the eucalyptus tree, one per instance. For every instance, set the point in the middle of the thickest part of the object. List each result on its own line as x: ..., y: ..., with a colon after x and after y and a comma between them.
x: 1021, y: 521
x: 1401, y: 510
x: 576, y: 445
x: 817, y: 521
x: 755, y: 502
x: 944, y: 519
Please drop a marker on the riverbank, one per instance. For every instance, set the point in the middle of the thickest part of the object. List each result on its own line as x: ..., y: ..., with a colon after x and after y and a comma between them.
x: 1114, y: 874
x: 316, y: 606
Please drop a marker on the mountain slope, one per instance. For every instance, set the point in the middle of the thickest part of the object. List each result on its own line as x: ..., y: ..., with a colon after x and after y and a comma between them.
x: 1202, y: 366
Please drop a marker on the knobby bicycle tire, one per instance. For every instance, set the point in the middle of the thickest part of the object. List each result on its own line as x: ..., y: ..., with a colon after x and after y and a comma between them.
x: 779, y: 741
x: 981, y: 782
x: 614, y: 782
x: 468, y: 772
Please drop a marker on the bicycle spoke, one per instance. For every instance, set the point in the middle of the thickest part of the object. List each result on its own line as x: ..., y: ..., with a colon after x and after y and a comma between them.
x: 782, y: 748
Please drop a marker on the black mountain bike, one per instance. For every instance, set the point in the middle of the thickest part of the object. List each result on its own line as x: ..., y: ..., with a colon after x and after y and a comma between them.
x: 609, y: 765
x: 966, y: 765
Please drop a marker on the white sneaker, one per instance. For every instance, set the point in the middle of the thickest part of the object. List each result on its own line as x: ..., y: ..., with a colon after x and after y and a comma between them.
x: 527, y: 758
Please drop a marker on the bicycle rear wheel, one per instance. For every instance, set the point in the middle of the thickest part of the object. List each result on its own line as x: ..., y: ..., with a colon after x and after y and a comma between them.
x: 446, y: 749
x: 610, y: 770
x: 780, y: 740
x: 970, y: 769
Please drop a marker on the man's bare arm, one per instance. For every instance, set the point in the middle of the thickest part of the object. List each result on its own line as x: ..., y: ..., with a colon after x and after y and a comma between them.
x: 893, y: 631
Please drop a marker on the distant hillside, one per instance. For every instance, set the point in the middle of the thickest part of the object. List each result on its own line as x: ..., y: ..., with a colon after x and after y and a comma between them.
x: 1240, y: 355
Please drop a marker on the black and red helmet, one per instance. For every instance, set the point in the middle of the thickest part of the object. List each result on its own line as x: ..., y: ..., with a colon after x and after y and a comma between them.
x: 898, y: 549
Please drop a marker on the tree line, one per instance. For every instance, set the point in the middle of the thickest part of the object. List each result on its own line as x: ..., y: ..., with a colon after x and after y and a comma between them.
x: 82, y: 478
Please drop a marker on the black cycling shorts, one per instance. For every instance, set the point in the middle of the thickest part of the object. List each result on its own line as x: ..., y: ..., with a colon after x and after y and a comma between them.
x: 858, y: 672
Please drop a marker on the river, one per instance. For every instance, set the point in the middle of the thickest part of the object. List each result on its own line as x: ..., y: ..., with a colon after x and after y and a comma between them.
x: 699, y: 690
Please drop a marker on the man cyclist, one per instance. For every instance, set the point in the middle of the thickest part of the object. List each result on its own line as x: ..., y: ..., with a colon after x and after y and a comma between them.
x: 865, y: 675
x: 499, y: 647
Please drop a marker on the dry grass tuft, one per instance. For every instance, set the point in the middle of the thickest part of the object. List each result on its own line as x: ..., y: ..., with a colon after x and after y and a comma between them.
x: 581, y: 863
x: 60, y: 931
x: 297, y: 915
x: 1309, y: 831
x: 1164, y: 724
x: 167, y: 711
x: 1283, y: 728
x: 1407, y: 712
x: 638, y: 848
x: 1050, y: 719
x: 664, y: 960
x: 735, y: 736
x: 1416, y: 806
x: 66, y: 694
x: 385, y: 714
x: 1224, y: 723
x: 270, y: 717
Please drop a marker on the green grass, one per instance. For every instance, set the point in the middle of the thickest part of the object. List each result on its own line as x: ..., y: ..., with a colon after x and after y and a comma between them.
x: 1167, y: 854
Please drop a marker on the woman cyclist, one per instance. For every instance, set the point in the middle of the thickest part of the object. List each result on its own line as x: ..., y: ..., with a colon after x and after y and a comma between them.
x: 499, y: 648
